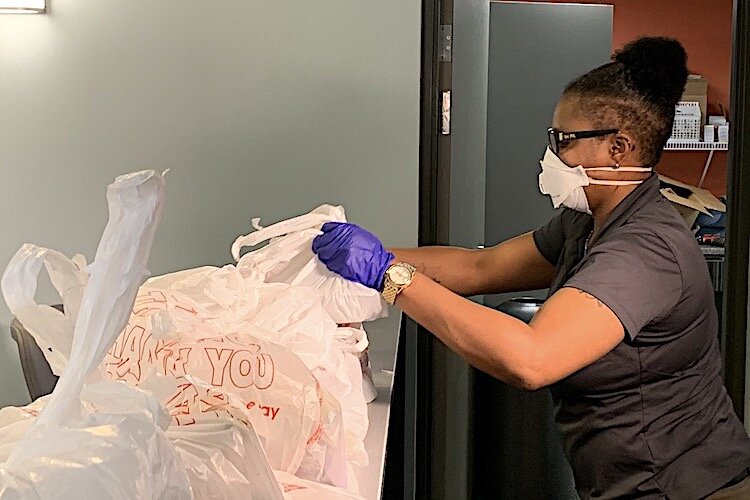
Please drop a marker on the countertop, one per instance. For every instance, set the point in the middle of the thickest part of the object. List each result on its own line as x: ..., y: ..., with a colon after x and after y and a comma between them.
x: 383, y: 336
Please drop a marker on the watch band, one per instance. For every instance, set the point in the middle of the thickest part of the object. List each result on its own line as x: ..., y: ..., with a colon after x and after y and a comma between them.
x: 390, y: 291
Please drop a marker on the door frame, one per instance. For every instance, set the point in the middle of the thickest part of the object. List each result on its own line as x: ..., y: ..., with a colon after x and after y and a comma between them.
x: 735, y: 303
x: 434, y: 222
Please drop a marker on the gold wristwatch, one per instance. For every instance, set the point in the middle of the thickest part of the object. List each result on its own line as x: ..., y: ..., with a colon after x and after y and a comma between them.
x: 397, y: 278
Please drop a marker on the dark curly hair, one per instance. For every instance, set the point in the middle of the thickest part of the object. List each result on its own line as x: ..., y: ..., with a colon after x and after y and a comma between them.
x: 636, y: 92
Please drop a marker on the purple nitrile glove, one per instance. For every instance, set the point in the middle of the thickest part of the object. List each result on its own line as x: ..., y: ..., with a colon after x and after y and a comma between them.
x: 353, y: 253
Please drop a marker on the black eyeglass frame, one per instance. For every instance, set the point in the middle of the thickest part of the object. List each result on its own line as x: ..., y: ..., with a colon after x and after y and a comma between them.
x: 556, y: 137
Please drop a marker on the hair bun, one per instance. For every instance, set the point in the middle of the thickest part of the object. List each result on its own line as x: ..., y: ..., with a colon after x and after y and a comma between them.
x: 657, y: 66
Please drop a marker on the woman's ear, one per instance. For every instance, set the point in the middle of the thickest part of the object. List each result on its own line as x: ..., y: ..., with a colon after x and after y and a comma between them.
x: 622, y: 148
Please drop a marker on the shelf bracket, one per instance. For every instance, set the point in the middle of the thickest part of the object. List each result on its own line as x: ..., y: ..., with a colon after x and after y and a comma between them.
x: 705, y: 168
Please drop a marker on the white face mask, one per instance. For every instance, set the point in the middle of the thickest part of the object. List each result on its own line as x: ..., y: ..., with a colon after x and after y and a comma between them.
x: 564, y: 184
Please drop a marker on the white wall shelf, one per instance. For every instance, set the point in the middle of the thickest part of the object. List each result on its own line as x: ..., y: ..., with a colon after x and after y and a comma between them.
x: 696, y: 146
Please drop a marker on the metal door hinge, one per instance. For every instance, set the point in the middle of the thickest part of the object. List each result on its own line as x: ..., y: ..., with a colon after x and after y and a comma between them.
x: 445, y: 113
x: 446, y: 43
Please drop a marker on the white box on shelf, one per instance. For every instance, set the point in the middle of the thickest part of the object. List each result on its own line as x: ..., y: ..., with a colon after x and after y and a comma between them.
x: 709, y: 133
x: 687, y: 122
x: 724, y: 132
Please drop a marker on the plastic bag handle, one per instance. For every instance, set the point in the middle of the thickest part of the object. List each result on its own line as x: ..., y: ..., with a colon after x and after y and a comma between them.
x: 52, y: 330
x: 19, y: 281
x: 312, y: 220
x: 119, y: 268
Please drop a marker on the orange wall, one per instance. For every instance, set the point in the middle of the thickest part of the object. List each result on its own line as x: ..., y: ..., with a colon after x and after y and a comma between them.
x: 705, y: 29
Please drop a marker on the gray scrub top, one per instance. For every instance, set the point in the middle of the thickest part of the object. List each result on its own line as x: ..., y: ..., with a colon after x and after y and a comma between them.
x: 652, y: 418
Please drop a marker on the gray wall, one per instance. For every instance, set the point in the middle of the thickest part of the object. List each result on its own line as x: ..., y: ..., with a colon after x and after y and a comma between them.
x: 258, y: 108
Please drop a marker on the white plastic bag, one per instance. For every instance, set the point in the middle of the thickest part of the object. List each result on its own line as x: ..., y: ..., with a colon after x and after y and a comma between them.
x: 224, y: 460
x: 52, y: 329
x: 353, y: 339
x: 288, y: 258
x: 211, y: 302
x: 106, y: 441
x: 293, y: 317
x: 117, y: 451
x: 278, y: 393
x: 295, y: 488
x: 222, y: 454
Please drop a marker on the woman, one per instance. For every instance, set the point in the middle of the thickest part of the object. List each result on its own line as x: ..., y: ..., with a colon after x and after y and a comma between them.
x: 627, y: 341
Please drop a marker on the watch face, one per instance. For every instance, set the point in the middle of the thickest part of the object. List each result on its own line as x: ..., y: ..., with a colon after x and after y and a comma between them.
x: 399, y: 275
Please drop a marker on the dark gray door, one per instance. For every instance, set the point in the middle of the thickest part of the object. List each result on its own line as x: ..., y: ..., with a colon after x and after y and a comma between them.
x: 510, y: 62
x: 535, y: 49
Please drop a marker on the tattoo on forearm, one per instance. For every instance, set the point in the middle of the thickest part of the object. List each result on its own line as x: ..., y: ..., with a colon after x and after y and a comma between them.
x: 589, y: 296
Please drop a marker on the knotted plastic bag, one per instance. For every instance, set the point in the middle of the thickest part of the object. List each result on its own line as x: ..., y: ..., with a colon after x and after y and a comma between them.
x: 288, y: 258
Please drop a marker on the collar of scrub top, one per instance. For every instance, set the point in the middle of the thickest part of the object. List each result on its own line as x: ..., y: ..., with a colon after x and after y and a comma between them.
x: 646, y: 192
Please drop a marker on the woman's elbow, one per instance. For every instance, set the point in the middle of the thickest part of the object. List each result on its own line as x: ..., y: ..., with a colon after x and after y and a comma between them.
x: 530, y: 377
x: 527, y: 369
x: 525, y: 380
x: 532, y: 384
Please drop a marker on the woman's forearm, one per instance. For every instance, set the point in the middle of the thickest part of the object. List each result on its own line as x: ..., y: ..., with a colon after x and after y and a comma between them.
x: 454, y: 268
x: 512, y: 266
x: 495, y: 343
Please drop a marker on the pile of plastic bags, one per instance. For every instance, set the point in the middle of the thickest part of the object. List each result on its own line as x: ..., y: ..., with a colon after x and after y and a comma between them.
x: 197, y: 384
x: 93, y: 439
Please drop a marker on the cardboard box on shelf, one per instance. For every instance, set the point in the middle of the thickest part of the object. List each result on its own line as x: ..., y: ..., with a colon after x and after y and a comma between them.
x: 696, y: 90
x: 689, y: 200
x: 696, y: 84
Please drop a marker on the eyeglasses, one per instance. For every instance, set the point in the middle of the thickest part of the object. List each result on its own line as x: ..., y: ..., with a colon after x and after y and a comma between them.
x: 558, y: 137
